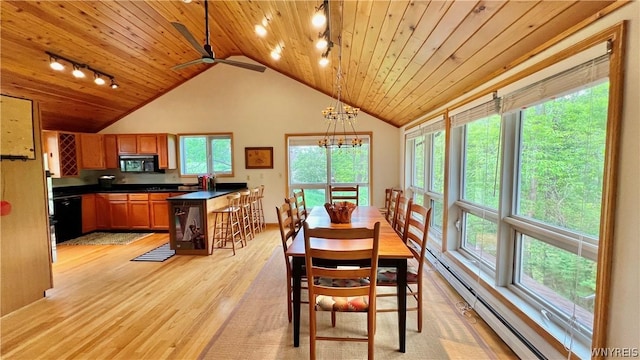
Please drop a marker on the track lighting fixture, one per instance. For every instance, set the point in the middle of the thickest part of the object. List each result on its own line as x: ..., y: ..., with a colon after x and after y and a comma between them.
x: 324, y: 43
x: 77, y: 72
x: 261, y: 30
x: 99, y: 77
x: 276, y: 53
x: 320, y: 18
x: 55, y: 64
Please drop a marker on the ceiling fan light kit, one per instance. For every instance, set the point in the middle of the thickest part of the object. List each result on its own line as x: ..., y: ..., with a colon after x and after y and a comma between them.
x: 206, y: 51
x: 56, y: 63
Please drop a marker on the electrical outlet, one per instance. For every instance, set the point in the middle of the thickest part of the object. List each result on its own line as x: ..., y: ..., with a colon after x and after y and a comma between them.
x: 248, y: 177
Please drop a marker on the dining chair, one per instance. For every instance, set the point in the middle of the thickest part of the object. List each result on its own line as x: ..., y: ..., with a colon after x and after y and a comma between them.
x: 348, y: 289
x: 293, y: 210
x: 287, y: 233
x: 400, y: 214
x: 393, y: 202
x: 416, y: 230
x: 301, y: 206
x: 344, y: 193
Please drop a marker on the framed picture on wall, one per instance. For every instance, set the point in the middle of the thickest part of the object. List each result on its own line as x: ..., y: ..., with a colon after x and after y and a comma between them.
x: 258, y: 157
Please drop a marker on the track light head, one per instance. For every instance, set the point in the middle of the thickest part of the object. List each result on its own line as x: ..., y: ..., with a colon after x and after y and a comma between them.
x: 55, y: 64
x: 77, y: 72
x: 114, y: 85
x: 98, y: 79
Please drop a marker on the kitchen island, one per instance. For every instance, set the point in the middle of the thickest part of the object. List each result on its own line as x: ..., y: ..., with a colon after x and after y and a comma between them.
x: 192, y: 221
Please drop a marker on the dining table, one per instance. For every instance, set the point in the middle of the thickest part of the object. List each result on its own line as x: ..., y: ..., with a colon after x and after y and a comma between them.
x: 392, y: 252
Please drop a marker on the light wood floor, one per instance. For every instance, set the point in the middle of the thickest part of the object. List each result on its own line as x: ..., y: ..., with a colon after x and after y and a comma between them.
x: 104, y: 306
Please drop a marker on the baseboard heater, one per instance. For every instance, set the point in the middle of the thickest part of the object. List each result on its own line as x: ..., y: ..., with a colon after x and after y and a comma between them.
x: 493, y: 311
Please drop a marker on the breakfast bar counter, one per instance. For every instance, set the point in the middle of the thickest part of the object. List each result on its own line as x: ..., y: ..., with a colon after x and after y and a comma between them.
x: 192, y: 221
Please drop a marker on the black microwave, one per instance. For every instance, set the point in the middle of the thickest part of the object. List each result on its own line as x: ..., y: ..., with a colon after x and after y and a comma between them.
x: 139, y: 164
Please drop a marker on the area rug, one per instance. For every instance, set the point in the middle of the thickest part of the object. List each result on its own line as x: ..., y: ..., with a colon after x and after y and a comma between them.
x: 258, y: 328
x: 159, y: 254
x: 106, y: 238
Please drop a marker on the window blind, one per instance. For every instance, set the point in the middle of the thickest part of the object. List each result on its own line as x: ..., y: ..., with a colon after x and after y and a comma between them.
x: 489, y: 108
x: 568, y: 81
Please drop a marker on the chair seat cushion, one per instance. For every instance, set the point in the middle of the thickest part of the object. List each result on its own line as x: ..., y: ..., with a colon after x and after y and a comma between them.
x: 344, y: 304
x: 389, y: 275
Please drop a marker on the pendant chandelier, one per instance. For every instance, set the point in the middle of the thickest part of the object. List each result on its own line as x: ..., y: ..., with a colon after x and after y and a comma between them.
x: 340, y: 117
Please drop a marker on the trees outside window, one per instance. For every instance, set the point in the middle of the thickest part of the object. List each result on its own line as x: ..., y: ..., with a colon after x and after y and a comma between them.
x: 314, y: 168
x: 206, y: 154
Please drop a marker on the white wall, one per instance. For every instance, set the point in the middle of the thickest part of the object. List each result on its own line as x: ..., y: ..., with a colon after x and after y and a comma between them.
x: 624, y: 311
x: 259, y: 108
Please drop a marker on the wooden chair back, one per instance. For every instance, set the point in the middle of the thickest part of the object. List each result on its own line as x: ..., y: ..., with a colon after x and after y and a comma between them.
x: 399, y: 221
x: 316, y: 257
x: 344, y: 193
x: 301, y: 204
x: 393, y: 202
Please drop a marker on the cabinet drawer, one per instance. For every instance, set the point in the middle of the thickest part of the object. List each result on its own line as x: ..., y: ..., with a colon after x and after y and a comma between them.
x: 159, y: 196
x: 138, y: 197
x: 117, y: 197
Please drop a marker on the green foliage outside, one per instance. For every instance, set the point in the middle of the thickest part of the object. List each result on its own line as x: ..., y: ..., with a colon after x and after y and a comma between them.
x: 194, y: 155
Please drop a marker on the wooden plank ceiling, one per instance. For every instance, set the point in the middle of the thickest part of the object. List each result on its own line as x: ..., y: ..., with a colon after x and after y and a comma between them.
x: 402, y: 59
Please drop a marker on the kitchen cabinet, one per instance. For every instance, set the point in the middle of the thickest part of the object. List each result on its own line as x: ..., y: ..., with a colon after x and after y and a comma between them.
x: 132, y: 144
x: 62, y: 153
x: 103, y: 216
x: 89, y: 213
x: 110, y: 152
x: 138, y: 211
x: 92, y: 151
x: 119, y: 211
x: 147, y: 144
x: 158, y: 210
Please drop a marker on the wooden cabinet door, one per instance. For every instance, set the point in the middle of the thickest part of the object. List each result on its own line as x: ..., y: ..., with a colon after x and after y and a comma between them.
x: 103, y: 215
x: 91, y: 151
x: 89, y: 213
x: 50, y: 143
x: 127, y: 144
x: 110, y: 152
x: 147, y: 144
x: 159, y: 214
x: 163, y: 154
x: 139, y: 215
x: 119, y: 213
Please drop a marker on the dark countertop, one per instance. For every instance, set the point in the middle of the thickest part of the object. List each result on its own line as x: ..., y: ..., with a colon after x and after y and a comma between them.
x: 202, y: 195
x: 73, y: 191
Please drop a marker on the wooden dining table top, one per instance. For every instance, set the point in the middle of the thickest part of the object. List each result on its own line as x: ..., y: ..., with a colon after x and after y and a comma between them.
x: 391, y: 245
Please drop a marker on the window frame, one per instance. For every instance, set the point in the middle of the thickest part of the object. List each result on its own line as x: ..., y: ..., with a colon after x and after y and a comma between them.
x: 209, y: 138
x: 312, y: 140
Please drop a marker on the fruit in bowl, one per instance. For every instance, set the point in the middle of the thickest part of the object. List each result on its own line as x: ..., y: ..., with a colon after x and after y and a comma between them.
x: 340, y: 212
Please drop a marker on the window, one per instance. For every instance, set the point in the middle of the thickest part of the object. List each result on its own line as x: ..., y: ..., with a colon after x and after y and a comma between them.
x: 425, y: 156
x: 528, y: 176
x: 206, y: 154
x: 560, y: 162
x: 314, y: 168
x: 478, y: 129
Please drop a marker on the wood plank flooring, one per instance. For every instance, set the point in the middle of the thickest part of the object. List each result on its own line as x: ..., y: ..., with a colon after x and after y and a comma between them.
x: 104, y: 306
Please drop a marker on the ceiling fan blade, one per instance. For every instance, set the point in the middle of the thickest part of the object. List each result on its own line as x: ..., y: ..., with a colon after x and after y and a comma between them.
x: 189, y: 63
x: 187, y: 35
x: 253, y: 67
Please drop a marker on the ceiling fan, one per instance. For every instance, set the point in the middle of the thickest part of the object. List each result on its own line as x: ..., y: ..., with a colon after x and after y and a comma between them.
x: 208, y: 56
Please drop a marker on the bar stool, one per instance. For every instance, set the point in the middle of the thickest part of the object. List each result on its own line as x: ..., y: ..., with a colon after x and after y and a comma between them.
x: 227, y: 225
x: 260, y: 207
x: 245, y: 214
x: 256, y: 225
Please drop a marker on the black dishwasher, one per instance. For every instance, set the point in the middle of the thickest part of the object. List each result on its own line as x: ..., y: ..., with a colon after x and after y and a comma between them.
x: 68, y: 216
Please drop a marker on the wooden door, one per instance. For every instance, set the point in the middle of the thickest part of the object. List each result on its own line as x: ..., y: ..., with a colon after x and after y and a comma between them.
x: 92, y: 151
x: 103, y: 215
x: 119, y: 211
x: 110, y: 152
x: 139, y: 215
x: 159, y: 208
x: 89, y: 213
x: 127, y: 144
x: 147, y: 144
x: 163, y: 154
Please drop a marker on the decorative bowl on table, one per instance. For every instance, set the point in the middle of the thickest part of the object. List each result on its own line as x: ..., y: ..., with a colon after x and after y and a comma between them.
x: 340, y: 211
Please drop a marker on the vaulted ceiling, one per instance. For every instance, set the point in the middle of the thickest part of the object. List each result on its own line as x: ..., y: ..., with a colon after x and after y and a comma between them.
x: 402, y: 59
